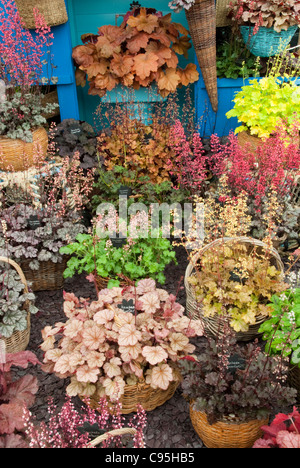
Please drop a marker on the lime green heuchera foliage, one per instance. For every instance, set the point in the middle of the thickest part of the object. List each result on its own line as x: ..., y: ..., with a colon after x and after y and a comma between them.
x: 264, y: 103
x: 282, y: 331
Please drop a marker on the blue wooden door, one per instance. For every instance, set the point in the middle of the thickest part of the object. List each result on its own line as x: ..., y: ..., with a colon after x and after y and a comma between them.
x: 86, y: 16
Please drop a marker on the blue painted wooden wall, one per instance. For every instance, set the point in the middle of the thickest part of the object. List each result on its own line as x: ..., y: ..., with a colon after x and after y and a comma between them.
x: 86, y: 16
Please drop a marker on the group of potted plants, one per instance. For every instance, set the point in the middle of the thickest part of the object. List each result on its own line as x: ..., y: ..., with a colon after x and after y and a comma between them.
x: 135, y: 344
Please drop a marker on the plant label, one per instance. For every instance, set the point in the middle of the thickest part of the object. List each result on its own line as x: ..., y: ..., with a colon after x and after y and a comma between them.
x: 75, y: 129
x: 125, y: 191
x: 33, y: 222
x: 127, y: 306
x: 118, y: 242
x: 236, y: 362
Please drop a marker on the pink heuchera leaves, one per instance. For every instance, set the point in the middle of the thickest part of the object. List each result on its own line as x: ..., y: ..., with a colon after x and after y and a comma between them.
x: 283, y: 432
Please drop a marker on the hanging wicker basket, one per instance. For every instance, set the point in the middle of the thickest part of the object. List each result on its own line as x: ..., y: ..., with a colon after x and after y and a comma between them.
x: 216, y: 325
x: 201, y: 19
x: 49, y: 276
x: 54, y: 11
x: 267, y: 42
x: 140, y: 394
x: 19, y: 339
x: 19, y: 156
x: 226, y: 434
x: 221, y: 13
x: 115, y: 433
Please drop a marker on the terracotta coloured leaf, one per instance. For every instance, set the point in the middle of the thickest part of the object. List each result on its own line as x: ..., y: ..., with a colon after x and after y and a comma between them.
x: 93, y: 91
x: 137, y: 43
x: 106, y: 48
x: 97, y: 68
x: 83, y: 55
x: 161, y: 36
x: 107, y: 82
x: 109, y: 31
x: 80, y: 77
x: 128, y: 80
x: 163, y: 53
x: 144, y: 64
x: 172, y: 62
x: 143, y: 22
x: 180, y: 28
x: 121, y: 65
x: 182, y: 46
x: 189, y: 75
x: 168, y: 80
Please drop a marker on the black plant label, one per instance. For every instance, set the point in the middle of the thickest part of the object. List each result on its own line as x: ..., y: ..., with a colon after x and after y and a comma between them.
x: 33, y: 222
x: 125, y: 191
x: 236, y: 362
x: 118, y: 242
x: 127, y: 306
x: 75, y: 129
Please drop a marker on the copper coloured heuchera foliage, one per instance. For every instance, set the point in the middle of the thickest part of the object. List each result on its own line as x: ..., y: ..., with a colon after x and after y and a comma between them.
x: 142, y: 51
x: 103, y: 347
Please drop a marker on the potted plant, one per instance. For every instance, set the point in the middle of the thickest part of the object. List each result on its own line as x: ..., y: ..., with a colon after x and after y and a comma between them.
x: 282, y: 331
x: 16, y: 306
x: 87, y: 428
x: 140, y: 52
x: 22, y: 132
x: 125, y: 345
x: 14, y: 398
x: 132, y: 251
x: 264, y: 104
x: 283, y: 432
x: 266, y: 27
x: 232, y: 390
x: 232, y: 280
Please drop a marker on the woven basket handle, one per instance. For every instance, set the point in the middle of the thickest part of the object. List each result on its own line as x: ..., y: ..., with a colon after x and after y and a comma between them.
x: 114, y: 433
x: 18, y: 269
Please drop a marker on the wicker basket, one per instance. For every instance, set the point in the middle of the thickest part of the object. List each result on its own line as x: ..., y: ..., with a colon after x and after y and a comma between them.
x: 267, y: 42
x: 54, y: 11
x: 245, y: 139
x: 49, y: 276
x: 18, y: 155
x: 19, y: 339
x: 225, y: 434
x: 215, y: 326
x: 114, y: 433
x: 103, y: 282
x: 51, y: 98
x: 141, y: 394
x: 201, y: 19
x: 221, y: 13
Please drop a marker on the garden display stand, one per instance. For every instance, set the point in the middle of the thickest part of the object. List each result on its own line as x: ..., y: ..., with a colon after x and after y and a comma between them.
x: 201, y: 19
x: 19, y: 339
x: 215, y: 325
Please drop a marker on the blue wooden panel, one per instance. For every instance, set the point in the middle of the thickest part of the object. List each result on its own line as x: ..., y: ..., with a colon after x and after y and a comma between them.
x: 89, y: 15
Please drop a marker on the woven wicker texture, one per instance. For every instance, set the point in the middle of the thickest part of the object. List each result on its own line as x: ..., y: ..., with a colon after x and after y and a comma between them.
x: 54, y: 11
x: 226, y: 435
x: 140, y: 394
x: 267, y: 42
x: 114, y: 433
x: 49, y: 276
x: 201, y: 19
x: 19, y: 339
x: 253, y: 142
x: 51, y: 98
x: 216, y: 325
x: 18, y: 155
x: 294, y: 379
x: 103, y: 282
x: 221, y: 13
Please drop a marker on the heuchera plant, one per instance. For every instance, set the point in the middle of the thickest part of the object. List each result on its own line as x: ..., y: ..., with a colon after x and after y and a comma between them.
x: 69, y: 428
x: 250, y: 390
x: 283, y: 432
x: 143, y: 50
x: 232, y: 282
x: 13, y: 302
x: 268, y: 13
x: 102, y: 348
x: 15, y: 395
